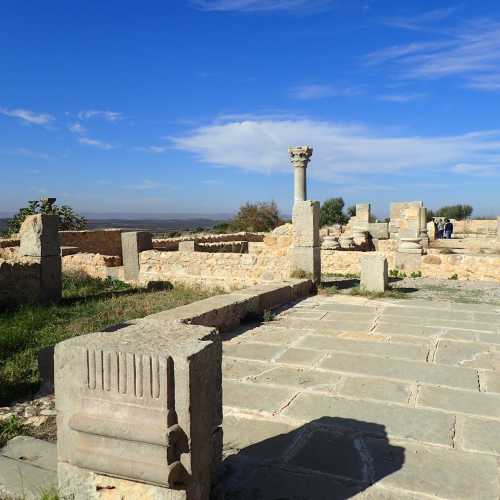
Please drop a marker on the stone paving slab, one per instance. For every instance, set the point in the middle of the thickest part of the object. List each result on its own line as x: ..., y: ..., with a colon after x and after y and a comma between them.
x: 405, y: 370
x: 490, y: 381
x: 481, y: 435
x: 407, y: 351
x: 248, y: 350
x: 306, y: 357
x: 237, y: 369
x: 470, y: 354
x: 393, y: 420
x: 379, y: 389
x: 455, y: 401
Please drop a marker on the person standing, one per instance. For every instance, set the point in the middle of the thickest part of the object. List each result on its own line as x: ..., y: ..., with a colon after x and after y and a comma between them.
x: 448, y: 229
x: 440, y: 231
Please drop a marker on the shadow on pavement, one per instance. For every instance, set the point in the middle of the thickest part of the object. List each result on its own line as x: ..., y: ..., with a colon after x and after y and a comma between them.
x: 327, y: 459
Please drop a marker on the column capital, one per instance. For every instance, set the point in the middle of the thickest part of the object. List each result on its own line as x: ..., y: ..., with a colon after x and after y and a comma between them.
x: 300, y: 155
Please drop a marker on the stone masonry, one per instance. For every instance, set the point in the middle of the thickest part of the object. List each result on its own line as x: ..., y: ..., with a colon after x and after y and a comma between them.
x: 39, y: 241
x: 374, y: 273
x: 133, y: 244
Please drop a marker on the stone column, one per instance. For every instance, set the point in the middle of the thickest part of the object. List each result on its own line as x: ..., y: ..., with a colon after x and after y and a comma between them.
x: 39, y: 239
x: 300, y: 157
x: 133, y: 244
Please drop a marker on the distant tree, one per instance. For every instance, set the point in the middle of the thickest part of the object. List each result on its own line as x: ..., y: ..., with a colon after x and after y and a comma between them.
x: 257, y: 217
x: 68, y: 219
x: 351, y: 211
x: 458, y: 212
x: 331, y: 212
x: 221, y: 227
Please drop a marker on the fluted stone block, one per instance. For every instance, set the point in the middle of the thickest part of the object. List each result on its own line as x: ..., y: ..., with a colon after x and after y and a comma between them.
x: 133, y: 243
x: 374, y: 273
x: 139, y: 408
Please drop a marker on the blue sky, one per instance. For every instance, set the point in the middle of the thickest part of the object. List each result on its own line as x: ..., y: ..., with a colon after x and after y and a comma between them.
x: 190, y: 105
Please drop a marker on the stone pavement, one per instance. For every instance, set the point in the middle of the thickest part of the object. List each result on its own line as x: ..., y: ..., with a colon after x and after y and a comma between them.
x: 342, y: 397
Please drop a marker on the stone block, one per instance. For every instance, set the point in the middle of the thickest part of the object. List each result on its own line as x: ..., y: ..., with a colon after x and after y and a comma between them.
x: 305, y: 218
x: 108, y: 384
x: 187, y: 246
x: 498, y: 228
x: 133, y: 244
x: 379, y: 230
x: 408, y: 262
x: 374, y: 273
x: 39, y: 236
x: 362, y: 212
x: 50, y: 279
x: 307, y: 260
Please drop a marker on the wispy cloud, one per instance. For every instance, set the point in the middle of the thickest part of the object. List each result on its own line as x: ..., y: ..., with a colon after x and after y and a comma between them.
x: 340, y: 150
x: 401, y: 98
x: 95, y: 143
x: 482, y: 169
x: 147, y: 185
x: 151, y: 149
x: 471, y: 52
x: 110, y: 116
x: 320, y: 91
x: 260, y: 5
x: 28, y: 153
x: 77, y: 128
x: 420, y: 21
x: 27, y: 116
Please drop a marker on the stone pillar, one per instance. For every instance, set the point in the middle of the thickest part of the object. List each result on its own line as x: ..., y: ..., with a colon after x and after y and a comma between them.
x: 39, y: 239
x: 498, y: 228
x: 374, y: 273
x: 300, y: 157
x: 187, y: 246
x: 139, y: 412
x: 133, y: 244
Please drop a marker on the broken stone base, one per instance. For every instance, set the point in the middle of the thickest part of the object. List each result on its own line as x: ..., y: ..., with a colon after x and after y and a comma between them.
x: 408, y: 261
x: 80, y: 484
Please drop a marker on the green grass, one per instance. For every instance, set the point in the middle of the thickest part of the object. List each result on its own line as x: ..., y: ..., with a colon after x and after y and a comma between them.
x: 10, y: 428
x: 88, y: 305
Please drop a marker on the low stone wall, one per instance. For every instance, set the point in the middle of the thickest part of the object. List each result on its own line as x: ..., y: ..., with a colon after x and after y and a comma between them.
x: 172, y: 244
x: 345, y: 261
x: 472, y: 267
x: 19, y: 281
x: 95, y: 265
x: 267, y: 261
x: 103, y: 241
x: 9, y: 242
x: 475, y: 227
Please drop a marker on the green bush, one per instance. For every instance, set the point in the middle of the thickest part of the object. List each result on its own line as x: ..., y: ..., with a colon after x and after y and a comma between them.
x: 332, y: 212
x: 257, y: 217
x: 68, y: 219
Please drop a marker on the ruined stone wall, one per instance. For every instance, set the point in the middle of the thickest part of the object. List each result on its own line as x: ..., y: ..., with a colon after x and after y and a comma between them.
x: 343, y: 262
x: 103, y: 241
x: 94, y: 265
x: 19, y: 280
x: 473, y: 267
x: 266, y: 261
x: 172, y: 244
x: 475, y: 228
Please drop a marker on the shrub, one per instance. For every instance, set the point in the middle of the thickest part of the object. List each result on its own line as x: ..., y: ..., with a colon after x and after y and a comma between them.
x: 68, y: 219
x: 258, y: 217
x: 453, y: 277
x: 457, y: 212
x: 331, y: 212
x: 268, y: 315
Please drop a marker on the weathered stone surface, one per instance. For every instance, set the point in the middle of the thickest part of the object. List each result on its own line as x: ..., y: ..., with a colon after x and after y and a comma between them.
x: 472, y: 355
x: 300, y: 377
x: 133, y: 244
x: 304, y: 357
x: 473, y: 403
x: 396, y: 421
x: 374, y: 273
x: 250, y: 350
x: 39, y: 236
x: 382, y: 390
x: 237, y: 369
x: 406, y: 370
x: 481, y: 435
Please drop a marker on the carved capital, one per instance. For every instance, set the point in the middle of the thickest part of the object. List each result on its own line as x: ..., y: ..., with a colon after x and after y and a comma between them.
x: 300, y: 156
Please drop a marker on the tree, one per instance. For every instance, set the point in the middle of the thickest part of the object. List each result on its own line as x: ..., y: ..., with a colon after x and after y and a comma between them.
x: 351, y: 211
x: 68, y: 219
x: 331, y: 212
x: 257, y: 217
x: 457, y: 212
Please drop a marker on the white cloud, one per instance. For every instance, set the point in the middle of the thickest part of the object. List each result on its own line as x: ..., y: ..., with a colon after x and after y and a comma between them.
x: 28, y: 116
x: 77, y: 128
x: 400, y: 98
x: 146, y: 185
x: 340, y: 150
x: 110, y: 116
x: 318, y: 91
x: 420, y: 21
x: 482, y: 169
x: 471, y: 52
x: 259, y: 5
x: 151, y: 149
x: 94, y: 142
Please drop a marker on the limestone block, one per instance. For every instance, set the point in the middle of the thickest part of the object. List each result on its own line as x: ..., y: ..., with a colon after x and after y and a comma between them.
x: 306, y: 223
x: 498, y: 228
x: 363, y: 212
x: 39, y: 236
x: 308, y: 260
x: 379, y: 230
x: 133, y: 244
x: 374, y: 273
x: 187, y: 246
x: 408, y: 261
x: 50, y: 279
x: 142, y: 403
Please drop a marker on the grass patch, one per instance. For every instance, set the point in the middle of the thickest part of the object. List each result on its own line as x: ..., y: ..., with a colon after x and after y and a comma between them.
x: 388, y: 294
x: 89, y: 305
x: 9, y: 428
x: 341, y: 275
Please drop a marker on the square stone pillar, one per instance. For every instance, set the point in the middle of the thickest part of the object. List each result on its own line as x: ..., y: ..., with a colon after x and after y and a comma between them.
x: 187, y: 246
x: 139, y: 412
x: 306, y: 252
x: 39, y: 240
x: 374, y: 273
x: 133, y: 244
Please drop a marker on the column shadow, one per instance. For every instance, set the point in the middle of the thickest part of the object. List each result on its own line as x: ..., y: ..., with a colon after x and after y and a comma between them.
x: 330, y: 458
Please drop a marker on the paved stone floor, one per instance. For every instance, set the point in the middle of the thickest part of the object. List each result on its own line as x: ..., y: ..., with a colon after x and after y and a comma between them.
x: 341, y: 397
